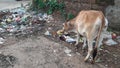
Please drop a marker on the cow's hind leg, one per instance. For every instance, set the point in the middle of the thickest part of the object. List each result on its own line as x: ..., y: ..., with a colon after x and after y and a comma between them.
x: 90, y: 48
x: 96, y: 50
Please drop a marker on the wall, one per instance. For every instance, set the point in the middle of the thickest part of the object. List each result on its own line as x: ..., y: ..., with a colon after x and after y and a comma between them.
x: 113, y: 15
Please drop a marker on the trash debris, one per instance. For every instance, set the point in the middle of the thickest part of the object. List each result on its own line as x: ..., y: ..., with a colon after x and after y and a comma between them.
x: 69, y: 54
x: 118, y: 39
x: 45, y: 16
x: 108, y: 35
x: 22, y: 28
x: 47, y: 33
x: 98, y: 60
x: 8, y: 20
x: 67, y: 51
x: 2, y: 40
x: 60, y: 32
x: 18, y: 21
x: 62, y: 38
x: 106, y: 65
x: 114, y: 36
x: 67, y: 39
x: 2, y: 30
x: 110, y: 42
x: 70, y: 40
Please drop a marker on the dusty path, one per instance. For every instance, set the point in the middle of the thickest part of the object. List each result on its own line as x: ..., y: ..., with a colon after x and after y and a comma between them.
x: 9, y: 4
x: 39, y: 52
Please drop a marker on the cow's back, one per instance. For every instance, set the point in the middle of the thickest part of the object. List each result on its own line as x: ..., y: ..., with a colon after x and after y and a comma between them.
x: 86, y: 20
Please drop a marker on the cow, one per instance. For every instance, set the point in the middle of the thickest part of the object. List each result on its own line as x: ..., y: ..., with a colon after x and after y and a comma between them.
x: 91, y: 24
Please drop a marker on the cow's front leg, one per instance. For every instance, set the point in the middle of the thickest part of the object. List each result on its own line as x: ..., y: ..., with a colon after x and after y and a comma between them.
x: 77, y: 42
x: 78, y: 38
x: 84, y: 43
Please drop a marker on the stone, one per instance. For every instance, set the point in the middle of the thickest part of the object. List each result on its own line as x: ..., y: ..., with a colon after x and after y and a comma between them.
x: 113, y: 15
x: 117, y: 2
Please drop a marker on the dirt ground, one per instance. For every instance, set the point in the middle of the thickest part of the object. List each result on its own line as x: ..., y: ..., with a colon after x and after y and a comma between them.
x: 40, y: 51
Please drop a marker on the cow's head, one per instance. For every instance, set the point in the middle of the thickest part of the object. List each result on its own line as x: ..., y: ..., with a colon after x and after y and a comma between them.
x: 68, y: 26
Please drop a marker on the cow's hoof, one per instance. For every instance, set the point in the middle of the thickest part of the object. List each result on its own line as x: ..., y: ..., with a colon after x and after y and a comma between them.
x: 83, y: 51
x: 92, y: 62
x: 85, y: 60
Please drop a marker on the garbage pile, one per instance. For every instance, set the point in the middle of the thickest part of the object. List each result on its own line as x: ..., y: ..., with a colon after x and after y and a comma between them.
x: 18, y: 21
x: 111, y: 38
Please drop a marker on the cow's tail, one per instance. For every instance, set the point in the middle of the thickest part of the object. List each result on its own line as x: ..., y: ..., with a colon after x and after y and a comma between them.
x: 95, y: 50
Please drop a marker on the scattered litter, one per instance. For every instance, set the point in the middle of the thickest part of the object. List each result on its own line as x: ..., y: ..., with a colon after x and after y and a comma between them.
x: 118, y: 39
x: 18, y: 21
x: 98, y: 60
x: 47, y: 33
x: 107, y: 35
x: 45, y: 16
x: 81, y: 40
x: 60, y: 32
x: 8, y: 20
x: 62, y: 38
x: 2, y: 30
x: 2, y: 40
x: 110, y: 42
x: 69, y: 54
x: 54, y: 50
x: 22, y: 27
x: 67, y: 39
x: 114, y: 36
x: 106, y: 65
x: 78, y: 53
x: 67, y: 50
x: 70, y: 40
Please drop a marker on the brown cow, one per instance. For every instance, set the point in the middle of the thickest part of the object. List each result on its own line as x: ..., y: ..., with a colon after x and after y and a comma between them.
x: 90, y: 24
